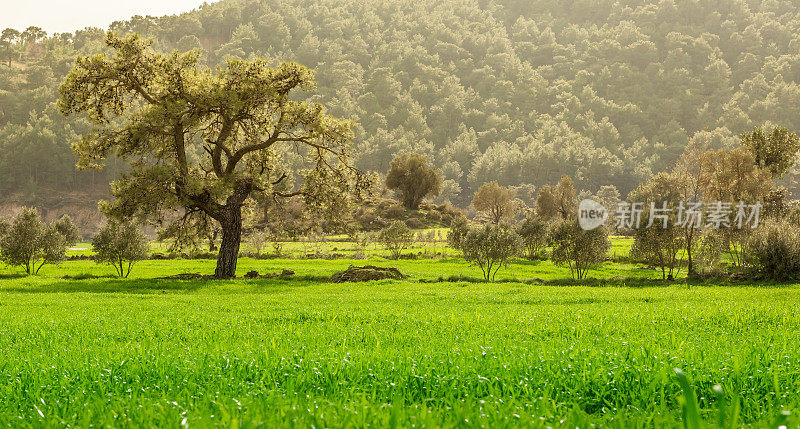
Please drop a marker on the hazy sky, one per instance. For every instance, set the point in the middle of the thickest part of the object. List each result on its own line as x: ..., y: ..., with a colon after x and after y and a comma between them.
x: 59, y: 16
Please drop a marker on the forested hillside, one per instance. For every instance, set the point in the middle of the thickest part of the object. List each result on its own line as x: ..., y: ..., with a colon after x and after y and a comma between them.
x: 518, y: 91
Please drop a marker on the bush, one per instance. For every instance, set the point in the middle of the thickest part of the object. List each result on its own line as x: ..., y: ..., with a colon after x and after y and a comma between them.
x: 30, y: 243
x: 120, y: 244
x: 415, y: 223
x: 490, y: 247
x: 396, y: 237
x: 774, y: 251
x: 533, y: 231
x: 576, y: 248
x: 394, y: 212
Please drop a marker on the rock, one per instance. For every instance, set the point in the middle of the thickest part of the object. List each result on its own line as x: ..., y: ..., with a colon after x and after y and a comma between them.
x: 251, y: 275
x: 367, y: 273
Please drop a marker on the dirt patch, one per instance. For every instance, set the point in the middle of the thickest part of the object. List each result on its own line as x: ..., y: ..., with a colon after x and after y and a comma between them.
x: 367, y: 273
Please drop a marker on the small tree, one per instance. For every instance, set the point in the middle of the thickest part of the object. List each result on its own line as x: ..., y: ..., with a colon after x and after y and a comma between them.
x: 120, y: 244
x: 660, y: 244
x: 731, y: 175
x: 608, y: 196
x: 533, y: 231
x: 30, y: 243
x: 411, y: 177
x: 495, y: 200
x: 576, y: 248
x: 259, y: 239
x: 67, y: 228
x: 396, y: 237
x: 459, y: 227
x: 557, y: 201
x: 490, y: 247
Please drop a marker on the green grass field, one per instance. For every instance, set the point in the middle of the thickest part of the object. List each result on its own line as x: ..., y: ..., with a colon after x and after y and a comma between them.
x: 422, y: 352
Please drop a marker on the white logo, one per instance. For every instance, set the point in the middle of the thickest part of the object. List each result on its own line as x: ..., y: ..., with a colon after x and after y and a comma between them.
x: 591, y: 214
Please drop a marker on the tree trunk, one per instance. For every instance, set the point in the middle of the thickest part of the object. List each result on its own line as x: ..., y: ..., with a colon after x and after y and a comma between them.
x: 231, y: 224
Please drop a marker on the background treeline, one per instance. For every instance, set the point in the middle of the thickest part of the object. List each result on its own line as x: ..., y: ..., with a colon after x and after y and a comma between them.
x: 517, y: 91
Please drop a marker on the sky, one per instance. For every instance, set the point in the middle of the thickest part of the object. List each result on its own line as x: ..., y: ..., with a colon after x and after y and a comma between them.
x: 61, y: 16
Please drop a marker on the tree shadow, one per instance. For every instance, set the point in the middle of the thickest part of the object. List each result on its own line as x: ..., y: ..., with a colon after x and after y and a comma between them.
x: 111, y: 285
x: 138, y: 286
x: 12, y: 276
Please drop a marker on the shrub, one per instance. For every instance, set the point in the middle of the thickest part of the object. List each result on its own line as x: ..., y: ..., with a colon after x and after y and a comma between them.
x: 394, y: 212
x: 533, y: 231
x: 396, y: 237
x: 120, y: 244
x: 576, y: 248
x: 30, y: 243
x: 490, y: 247
x: 415, y: 223
x: 774, y: 251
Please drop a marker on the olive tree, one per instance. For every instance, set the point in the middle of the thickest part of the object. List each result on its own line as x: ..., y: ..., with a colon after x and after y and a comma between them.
x: 67, y: 228
x: 30, y: 243
x: 576, y: 248
x: 459, y: 227
x: 203, y: 141
x: 120, y: 244
x: 533, y: 231
x: 661, y: 240
x: 4, y: 226
x: 413, y: 178
x: 396, y: 237
x: 259, y: 239
x: 490, y: 247
x: 495, y: 200
x: 557, y: 201
x: 731, y: 175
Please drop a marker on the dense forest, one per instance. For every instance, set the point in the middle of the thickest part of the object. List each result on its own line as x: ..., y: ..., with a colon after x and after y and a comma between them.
x: 518, y: 91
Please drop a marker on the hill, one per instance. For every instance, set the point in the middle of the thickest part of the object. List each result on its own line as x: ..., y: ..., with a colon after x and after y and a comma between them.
x: 519, y: 91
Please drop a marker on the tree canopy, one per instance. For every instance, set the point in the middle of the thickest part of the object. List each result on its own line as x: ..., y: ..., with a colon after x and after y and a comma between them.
x: 608, y: 92
x: 200, y: 141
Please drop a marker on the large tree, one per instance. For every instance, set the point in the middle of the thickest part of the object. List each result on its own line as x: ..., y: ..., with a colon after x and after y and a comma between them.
x: 413, y: 179
x: 202, y: 141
